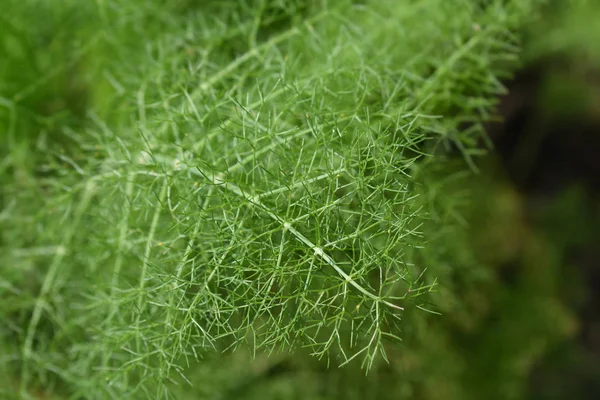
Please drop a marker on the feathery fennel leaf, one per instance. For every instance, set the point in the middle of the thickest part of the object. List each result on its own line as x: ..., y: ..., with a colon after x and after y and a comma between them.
x: 188, y: 177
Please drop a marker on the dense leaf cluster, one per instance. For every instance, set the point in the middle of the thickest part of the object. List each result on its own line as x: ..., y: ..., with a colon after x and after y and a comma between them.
x: 182, y: 177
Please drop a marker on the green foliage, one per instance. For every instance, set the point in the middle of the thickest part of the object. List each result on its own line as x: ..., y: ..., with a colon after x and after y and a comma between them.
x: 180, y: 178
x: 568, y: 27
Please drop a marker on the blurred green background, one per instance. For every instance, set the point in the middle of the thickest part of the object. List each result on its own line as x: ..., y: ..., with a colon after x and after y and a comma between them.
x: 520, y: 315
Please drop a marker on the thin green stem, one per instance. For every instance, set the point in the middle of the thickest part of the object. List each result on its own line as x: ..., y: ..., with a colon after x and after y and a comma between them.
x: 49, y: 279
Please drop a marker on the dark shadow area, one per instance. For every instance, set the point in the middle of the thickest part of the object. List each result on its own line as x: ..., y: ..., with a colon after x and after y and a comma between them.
x: 546, y: 154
